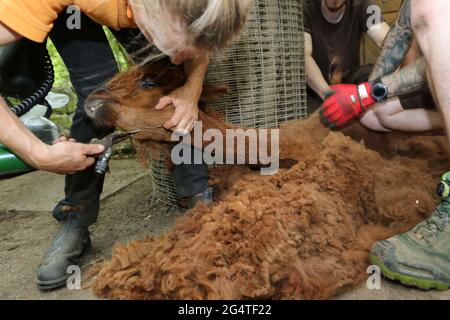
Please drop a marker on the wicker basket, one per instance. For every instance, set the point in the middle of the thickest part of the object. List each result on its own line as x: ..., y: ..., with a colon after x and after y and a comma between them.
x: 265, y: 72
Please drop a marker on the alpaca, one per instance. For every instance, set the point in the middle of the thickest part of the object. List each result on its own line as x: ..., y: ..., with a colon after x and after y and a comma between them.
x: 304, y: 233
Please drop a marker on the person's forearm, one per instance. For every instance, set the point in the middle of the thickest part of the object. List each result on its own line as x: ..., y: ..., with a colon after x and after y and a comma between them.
x: 396, y: 45
x: 315, y: 79
x: 409, y: 79
x: 378, y: 33
x: 196, y: 71
x: 18, y: 138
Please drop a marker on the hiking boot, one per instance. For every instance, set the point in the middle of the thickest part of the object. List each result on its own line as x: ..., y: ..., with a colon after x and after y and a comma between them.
x: 206, y: 197
x: 66, y: 250
x: 420, y: 257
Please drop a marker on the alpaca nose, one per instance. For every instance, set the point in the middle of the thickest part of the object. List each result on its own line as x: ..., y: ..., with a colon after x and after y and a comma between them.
x: 92, y: 106
x: 95, y: 101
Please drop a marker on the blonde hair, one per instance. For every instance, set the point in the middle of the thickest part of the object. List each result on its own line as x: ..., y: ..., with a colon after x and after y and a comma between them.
x: 210, y: 24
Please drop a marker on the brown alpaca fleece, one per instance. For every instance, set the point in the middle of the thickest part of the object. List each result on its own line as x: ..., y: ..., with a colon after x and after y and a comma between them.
x: 305, y: 233
x: 125, y: 103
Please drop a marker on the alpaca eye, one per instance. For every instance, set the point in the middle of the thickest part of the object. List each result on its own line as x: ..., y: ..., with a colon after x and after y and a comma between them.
x: 147, y: 84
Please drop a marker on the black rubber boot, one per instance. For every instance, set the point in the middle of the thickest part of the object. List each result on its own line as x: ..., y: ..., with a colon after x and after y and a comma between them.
x: 66, y: 250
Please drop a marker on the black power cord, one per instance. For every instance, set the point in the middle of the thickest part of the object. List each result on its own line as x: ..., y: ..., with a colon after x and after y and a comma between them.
x: 38, y: 97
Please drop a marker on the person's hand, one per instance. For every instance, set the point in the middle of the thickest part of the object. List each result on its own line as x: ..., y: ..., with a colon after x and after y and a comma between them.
x: 63, y: 138
x: 66, y: 156
x: 344, y: 103
x: 185, y: 100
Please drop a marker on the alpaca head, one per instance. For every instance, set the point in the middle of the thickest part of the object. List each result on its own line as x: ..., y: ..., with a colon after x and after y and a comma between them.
x: 128, y: 100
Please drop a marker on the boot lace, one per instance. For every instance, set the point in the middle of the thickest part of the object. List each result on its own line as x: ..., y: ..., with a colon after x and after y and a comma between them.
x: 431, y: 229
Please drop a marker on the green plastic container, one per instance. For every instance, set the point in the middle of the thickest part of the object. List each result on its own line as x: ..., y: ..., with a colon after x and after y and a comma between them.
x: 41, y: 127
x: 10, y: 164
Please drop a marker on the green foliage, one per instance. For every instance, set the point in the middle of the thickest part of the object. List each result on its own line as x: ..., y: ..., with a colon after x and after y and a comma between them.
x: 61, y: 74
x: 119, y: 52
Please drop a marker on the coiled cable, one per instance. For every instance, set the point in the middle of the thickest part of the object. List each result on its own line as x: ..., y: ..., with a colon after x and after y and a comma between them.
x: 38, y: 97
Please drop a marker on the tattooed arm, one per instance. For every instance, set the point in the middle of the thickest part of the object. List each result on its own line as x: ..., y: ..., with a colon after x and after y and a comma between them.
x: 409, y: 79
x: 396, y: 45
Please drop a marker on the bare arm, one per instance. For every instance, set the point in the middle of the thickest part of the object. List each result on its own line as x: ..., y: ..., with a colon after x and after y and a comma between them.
x: 396, y: 44
x: 7, y: 35
x: 64, y: 157
x: 378, y: 33
x: 12, y: 132
x: 14, y: 135
x: 409, y: 79
x: 314, y: 77
x: 185, y: 99
x: 196, y: 72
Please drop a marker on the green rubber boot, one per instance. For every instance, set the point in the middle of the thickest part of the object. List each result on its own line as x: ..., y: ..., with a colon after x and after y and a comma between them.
x: 420, y: 257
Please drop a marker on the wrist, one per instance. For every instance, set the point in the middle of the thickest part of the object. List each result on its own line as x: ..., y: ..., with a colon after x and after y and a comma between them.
x: 379, y: 90
x: 38, y: 156
x: 193, y: 90
x: 365, y: 94
x: 194, y: 83
x: 196, y: 70
x: 326, y: 93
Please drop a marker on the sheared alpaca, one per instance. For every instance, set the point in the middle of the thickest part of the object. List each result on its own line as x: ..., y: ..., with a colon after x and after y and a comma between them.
x: 305, y: 233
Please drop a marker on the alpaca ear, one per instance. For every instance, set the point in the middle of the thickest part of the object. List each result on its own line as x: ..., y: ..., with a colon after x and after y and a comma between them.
x: 213, y: 92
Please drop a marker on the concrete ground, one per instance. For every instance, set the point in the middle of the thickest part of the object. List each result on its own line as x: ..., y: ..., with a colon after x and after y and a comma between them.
x: 27, y: 227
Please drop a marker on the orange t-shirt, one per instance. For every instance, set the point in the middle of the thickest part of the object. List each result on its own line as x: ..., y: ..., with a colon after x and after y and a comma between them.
x: 34, y: 19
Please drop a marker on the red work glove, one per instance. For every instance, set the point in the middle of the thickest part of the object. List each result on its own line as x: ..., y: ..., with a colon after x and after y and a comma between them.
x: 346, y: 102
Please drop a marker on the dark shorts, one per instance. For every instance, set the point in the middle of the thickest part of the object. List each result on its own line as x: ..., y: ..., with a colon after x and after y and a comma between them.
x: 418, y: 100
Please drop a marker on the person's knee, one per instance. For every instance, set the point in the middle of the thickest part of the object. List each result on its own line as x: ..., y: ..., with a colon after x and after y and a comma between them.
x: 384, y: 118
x: 387, y: 120
x: 385, y: 112
x: 370, y: 121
